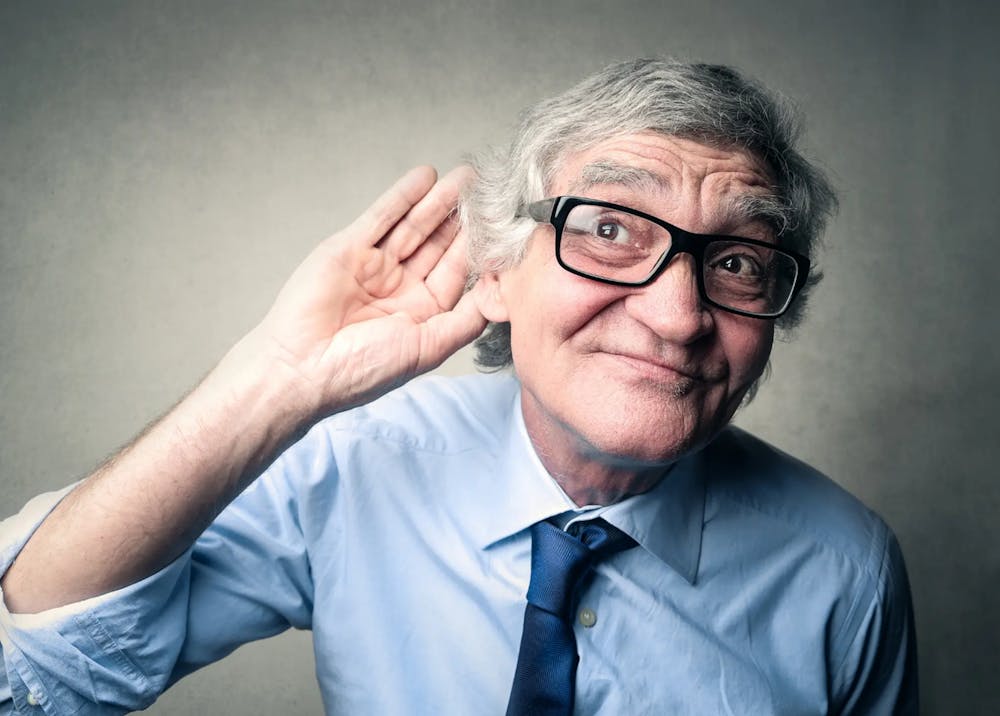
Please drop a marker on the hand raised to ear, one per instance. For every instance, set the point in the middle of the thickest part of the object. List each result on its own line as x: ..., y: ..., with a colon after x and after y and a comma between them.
x: 380, y: 301
x: 369, y: 308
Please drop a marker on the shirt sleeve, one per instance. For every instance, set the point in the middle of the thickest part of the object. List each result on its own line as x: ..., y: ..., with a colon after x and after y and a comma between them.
x: 247, y: 577
x: 879, y: 671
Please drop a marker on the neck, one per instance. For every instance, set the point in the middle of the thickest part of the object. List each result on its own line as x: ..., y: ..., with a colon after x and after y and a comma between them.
x: 587, y: 475
x: 607, y: 485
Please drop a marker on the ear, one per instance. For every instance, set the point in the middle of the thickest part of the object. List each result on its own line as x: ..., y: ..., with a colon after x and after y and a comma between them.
x: 490, y: 297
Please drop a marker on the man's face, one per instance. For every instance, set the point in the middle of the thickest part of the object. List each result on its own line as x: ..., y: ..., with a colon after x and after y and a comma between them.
x: 625, y: 375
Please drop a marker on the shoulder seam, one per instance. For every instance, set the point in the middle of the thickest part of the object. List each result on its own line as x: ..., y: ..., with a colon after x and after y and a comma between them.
x: 864, y: 565
x: 372, y: 429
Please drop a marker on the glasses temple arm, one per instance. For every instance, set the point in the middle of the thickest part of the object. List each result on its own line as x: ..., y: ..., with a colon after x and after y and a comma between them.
x: 540, y: 211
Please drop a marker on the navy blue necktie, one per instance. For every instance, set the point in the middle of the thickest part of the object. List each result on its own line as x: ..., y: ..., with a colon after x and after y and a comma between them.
x: 544, y: 680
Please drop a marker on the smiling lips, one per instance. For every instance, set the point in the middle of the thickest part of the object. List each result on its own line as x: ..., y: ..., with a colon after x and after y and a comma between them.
x: 656, y: 365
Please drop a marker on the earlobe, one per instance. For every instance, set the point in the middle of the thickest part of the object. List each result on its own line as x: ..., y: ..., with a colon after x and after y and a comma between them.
x: 489, y: 297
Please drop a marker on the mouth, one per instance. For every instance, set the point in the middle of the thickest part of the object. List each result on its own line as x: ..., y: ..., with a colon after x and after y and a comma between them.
x: 659, y: 369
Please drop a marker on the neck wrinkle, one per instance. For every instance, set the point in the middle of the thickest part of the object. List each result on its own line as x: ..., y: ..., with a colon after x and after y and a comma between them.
x: 607, y: 488
x: 585, y: 474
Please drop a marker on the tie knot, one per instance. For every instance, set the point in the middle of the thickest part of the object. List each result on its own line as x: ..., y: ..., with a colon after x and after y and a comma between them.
x: 560, y: 560
x: 602, y: 537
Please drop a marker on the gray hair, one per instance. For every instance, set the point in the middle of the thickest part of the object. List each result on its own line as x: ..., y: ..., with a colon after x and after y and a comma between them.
x: 711, y: 104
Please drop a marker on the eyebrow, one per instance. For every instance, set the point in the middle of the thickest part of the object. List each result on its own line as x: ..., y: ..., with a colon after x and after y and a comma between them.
x: 610, y: 173
x: 769, y: 209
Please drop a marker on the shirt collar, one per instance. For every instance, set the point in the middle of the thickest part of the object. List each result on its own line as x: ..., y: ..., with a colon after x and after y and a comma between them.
x: 666, y: 521
x: 523, y: 492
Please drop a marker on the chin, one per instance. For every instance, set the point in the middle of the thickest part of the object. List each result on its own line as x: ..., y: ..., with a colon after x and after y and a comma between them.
x: 654, y: 431
x: 649, y: 448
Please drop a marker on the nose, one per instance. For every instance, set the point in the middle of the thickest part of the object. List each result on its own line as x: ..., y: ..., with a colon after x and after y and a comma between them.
x: 671, y: 305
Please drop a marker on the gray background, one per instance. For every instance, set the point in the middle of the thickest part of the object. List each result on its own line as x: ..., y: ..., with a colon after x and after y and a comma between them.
x: 163, y: 167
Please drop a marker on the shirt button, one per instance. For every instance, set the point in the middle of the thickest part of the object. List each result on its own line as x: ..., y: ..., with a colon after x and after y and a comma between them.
x: 587, y: 617
x: 32, y: 699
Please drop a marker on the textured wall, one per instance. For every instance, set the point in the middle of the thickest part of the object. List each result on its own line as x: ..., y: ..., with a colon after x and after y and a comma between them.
x: 164, y: 166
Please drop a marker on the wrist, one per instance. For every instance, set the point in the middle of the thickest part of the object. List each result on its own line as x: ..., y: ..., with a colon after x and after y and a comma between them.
x: 265, y: 399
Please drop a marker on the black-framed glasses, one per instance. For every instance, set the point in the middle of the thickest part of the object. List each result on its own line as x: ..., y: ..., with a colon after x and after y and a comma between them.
x: 625, y: 247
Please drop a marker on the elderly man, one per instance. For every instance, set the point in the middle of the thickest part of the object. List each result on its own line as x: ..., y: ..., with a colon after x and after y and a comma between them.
x: 631, y: 255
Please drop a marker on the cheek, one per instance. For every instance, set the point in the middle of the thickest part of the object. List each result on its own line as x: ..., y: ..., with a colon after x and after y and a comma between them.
x: 578, y: 302
x: 747, y: 347
x: 547, y: 303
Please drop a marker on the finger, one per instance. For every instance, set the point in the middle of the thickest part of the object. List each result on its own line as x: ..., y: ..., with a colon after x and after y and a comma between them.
x: 427, y: 255
x: 423, y: 220
x: 443, y: 334
x: 378, y: 219
x: 446, y: 280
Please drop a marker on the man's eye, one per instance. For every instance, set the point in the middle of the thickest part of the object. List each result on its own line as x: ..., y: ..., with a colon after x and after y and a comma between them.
x: 611, y: 231
x: 738, y: 264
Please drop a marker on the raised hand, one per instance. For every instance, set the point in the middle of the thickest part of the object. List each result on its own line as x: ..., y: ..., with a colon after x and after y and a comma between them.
x: 369, y: 308
x: 379, y: 302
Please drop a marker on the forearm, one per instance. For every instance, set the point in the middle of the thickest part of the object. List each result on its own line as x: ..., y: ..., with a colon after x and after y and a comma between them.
x: 150, y: 502
x: 369, y: 308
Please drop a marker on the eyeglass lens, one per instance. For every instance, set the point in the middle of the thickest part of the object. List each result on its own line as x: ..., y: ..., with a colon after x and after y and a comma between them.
x: 619, y: 246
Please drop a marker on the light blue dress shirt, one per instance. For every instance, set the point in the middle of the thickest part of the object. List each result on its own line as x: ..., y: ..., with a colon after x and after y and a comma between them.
x: 398, y: 533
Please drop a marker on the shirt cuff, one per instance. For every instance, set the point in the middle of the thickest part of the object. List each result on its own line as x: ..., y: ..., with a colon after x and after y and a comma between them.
x: 105, y: 655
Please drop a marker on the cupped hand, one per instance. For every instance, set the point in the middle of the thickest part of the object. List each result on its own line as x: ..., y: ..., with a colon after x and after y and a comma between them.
x: 381, y: 301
